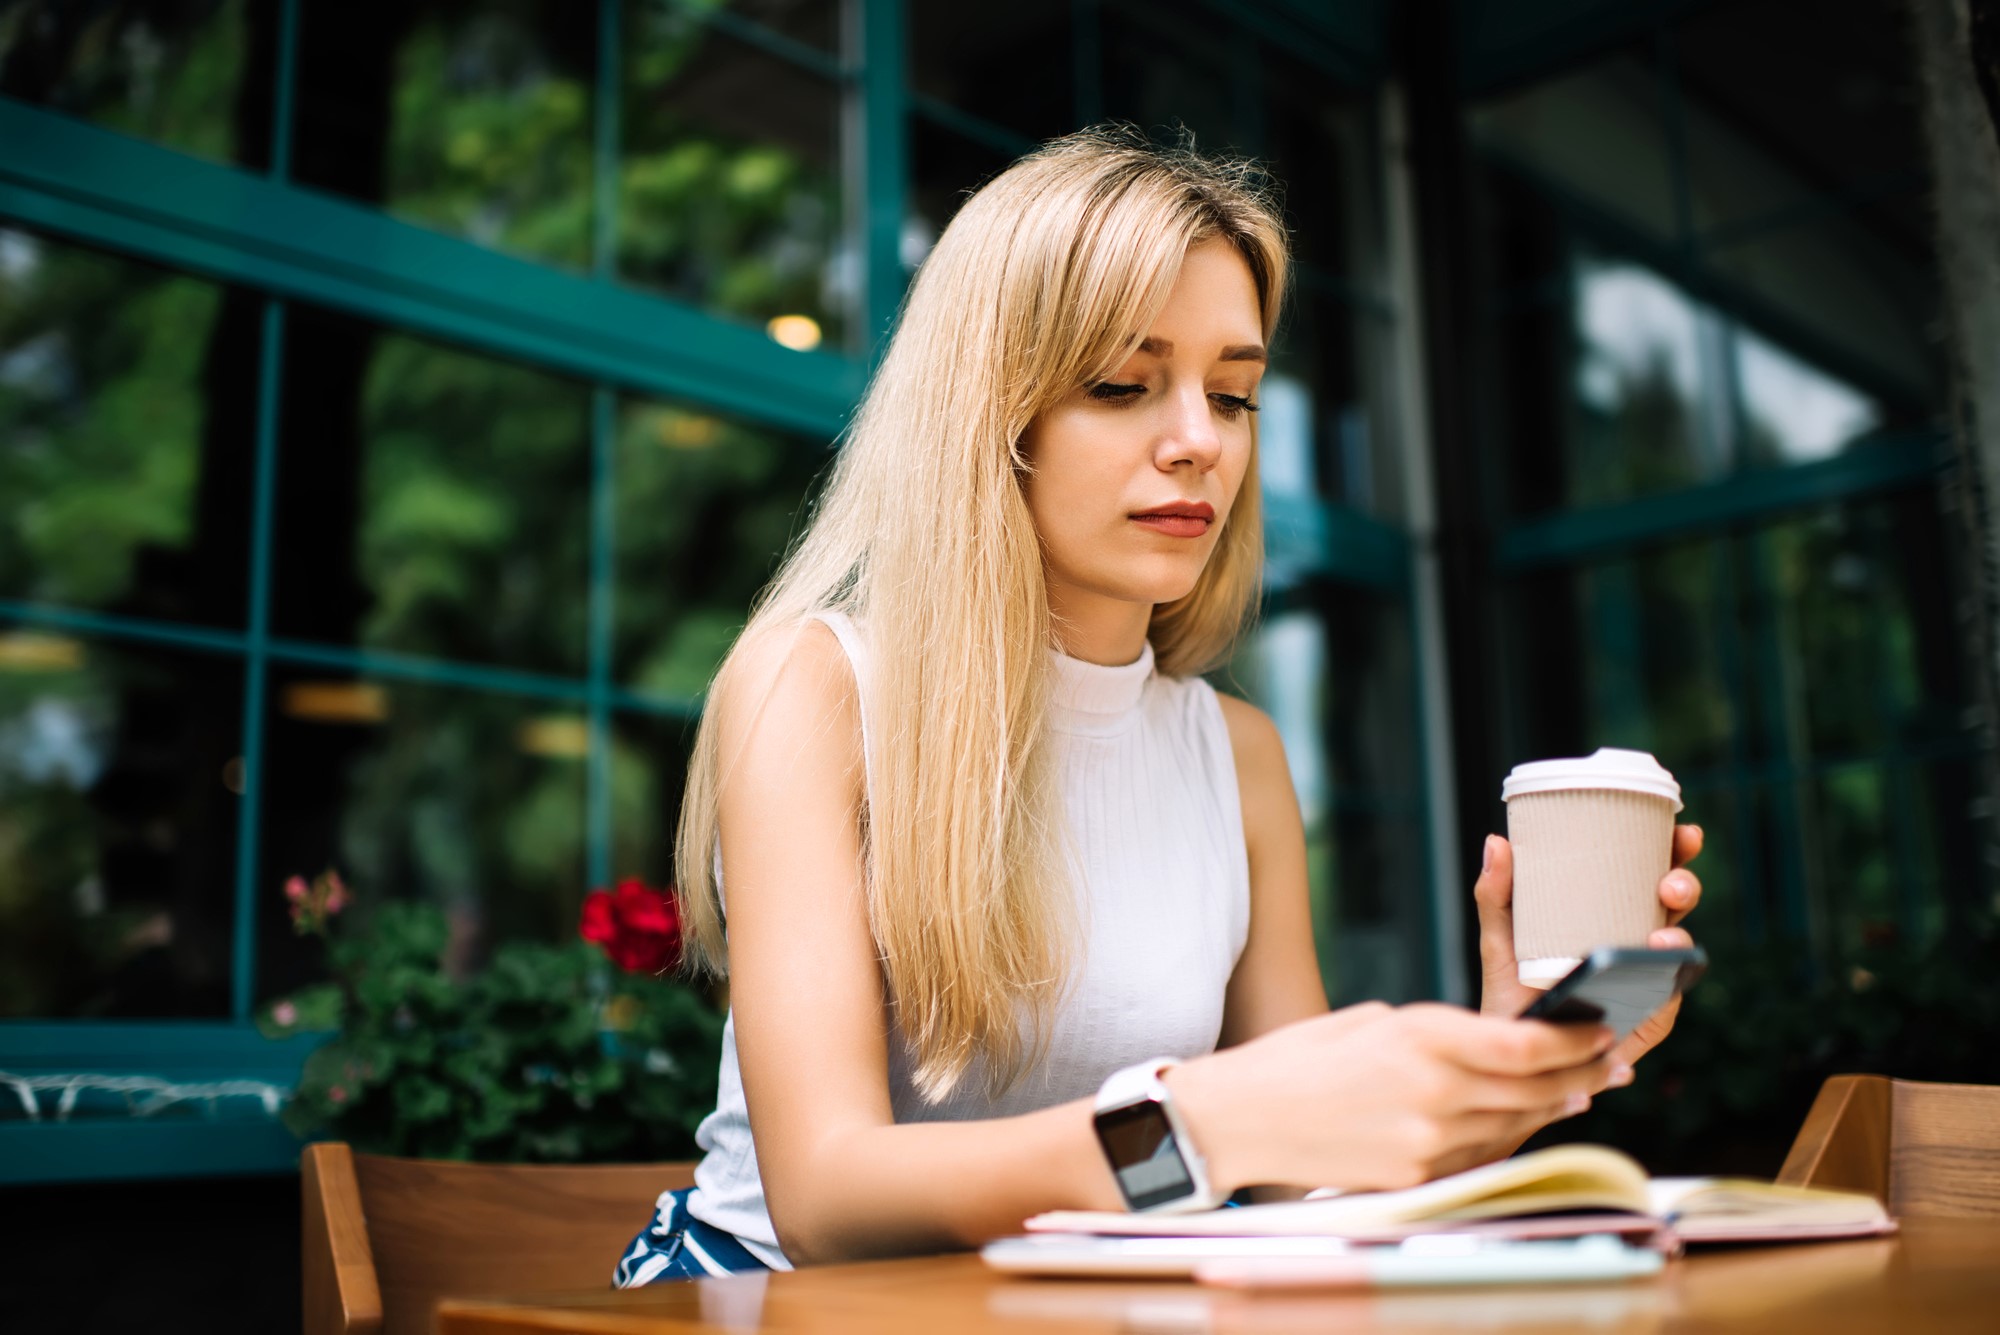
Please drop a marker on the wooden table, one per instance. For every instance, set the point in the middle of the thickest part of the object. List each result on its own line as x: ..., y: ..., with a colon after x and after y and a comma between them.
x: 1938, y: 1275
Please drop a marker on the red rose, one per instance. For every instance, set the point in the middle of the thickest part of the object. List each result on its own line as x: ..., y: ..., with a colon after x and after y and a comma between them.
x: 638, y: 927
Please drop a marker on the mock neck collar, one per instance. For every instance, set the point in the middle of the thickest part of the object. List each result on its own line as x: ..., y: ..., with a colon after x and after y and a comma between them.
x: 1094, y: 693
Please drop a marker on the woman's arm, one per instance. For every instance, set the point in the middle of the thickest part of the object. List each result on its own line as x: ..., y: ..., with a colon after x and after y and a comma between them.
x: 1368, y: 1097
x: 1277, y: 979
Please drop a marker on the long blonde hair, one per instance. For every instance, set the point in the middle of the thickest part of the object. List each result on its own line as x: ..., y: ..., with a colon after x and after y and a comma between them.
x: 1044, y: 283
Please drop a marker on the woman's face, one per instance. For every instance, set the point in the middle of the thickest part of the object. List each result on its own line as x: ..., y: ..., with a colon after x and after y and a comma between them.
x: 1133, y: 477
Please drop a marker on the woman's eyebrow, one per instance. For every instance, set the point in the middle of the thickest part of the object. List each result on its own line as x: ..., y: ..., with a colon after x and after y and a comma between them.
x: 1235, y: 352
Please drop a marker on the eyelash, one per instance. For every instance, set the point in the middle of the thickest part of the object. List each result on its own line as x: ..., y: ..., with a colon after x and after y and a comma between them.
x: 1231, y: 406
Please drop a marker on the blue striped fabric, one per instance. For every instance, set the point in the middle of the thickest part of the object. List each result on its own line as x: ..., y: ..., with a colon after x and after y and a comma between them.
x: 676, y: 1245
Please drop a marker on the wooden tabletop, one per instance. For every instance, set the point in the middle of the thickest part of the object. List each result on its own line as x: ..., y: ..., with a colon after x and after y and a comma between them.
x: 1938, y: 1275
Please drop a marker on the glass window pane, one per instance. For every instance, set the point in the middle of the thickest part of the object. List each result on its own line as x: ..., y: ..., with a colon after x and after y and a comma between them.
x: 1164, y: 67
x: 729, y: 175
x: 430, y: 501
x: 468, y: 800
x: 706, y: 506
x: 1343, y: 702
x: 1860, y: 304
x: 1643, y: 377
x: 1318, y: 144
x: 475, y: 120
x: 1593, y: 138
x: 127, y: 397
x: 172, y: 73
x: 1840, y: 113
x: 648, y: 774
x: 816, y: 23
x: 1794, y: 413
x: 1007, y: 64
x: 119, y: 775
x: 945, y: 167
x: 1329, y: 386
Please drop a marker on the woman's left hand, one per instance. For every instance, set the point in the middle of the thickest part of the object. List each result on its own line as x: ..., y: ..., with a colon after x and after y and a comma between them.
x: 1503, y: 992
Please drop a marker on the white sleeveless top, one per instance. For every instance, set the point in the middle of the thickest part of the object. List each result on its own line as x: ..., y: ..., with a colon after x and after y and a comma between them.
x: 1155, y: 825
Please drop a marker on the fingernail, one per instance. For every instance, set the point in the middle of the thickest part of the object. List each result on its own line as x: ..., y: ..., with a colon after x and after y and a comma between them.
x: 1486, y: 854
x: 1575, y: 1103
x: 1621, y: 1076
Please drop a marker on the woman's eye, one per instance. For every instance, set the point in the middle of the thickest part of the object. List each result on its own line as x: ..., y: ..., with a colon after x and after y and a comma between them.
x: 1233, y: 405
x: 1107, y: 392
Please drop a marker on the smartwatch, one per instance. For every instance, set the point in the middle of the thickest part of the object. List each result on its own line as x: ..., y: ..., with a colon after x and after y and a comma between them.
x: 1146, y: 1141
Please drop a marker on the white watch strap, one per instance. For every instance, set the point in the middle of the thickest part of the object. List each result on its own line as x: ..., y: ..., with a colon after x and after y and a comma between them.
x: 1141, y: 1083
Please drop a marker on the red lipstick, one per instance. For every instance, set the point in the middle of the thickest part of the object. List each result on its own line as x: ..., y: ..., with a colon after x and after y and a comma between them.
x: 1178, y: 519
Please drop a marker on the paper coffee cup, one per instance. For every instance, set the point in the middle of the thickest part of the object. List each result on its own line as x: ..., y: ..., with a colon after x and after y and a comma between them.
x: 1592, y: 837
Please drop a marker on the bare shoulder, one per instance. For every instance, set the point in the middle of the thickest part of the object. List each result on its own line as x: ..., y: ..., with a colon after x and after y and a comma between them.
x: 788, y: 695
x: 1260, y: 751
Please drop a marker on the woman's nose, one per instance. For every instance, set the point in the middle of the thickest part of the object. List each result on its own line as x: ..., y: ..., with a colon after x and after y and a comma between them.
x: 1189, y: 435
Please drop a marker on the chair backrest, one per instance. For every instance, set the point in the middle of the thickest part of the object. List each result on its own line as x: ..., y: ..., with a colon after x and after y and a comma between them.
x: 1922, y: 1149
x: 385, y: 1238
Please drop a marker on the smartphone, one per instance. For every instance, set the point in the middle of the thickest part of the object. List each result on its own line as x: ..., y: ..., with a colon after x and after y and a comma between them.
x: 1619, y: 987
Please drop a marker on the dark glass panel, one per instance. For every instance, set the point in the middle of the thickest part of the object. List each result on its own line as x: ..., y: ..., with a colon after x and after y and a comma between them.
x: 1318, y: 146
x: 119, y: 775
x: 1327, y: 409
x: 471, y: 118
x: 1007, y: 64
x: 1641, y: 378
x: 191, y: 74
x: 816, y: 23
x: 1168, y: 66
x: 1839, y: 113
x: 705, y: 508
x: 430, y: 501
x: 945, y: 167
x: 1335, y: 671
x: 469, y: 800
x: 649, y: 758
x: 729, y: 175
x: 1594, y: 139
x: 127, y: 400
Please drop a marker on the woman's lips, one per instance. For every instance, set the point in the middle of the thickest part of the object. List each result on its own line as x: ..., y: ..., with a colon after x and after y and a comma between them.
x: 1181, y: 520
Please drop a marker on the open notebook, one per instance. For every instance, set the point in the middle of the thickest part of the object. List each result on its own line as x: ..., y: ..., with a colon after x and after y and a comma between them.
x: 1566, y: 1178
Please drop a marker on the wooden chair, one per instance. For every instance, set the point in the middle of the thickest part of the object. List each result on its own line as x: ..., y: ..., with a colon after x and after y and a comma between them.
x: 386, y: 1238
x: 1921, y: 1149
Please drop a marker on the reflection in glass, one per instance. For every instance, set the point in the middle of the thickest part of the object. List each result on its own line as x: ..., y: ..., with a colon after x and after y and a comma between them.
x: 729, y: 182
x: 648, y: 773
x: 465, y: 799
x: 171, y: 73
x: 1640, y: 381
x: 1336, y: 355
x: 430, y: 501
x: 1164, y: 66
x: 125, y: 402
x: 118, y: 796
x: 706, y: 506
x: 945, y: 167
x: 1593, y: 137
x: 1317, y: 146
x: 1795, y: 413
x: 976, y: 59
x: 1841, y: 111
x: 1335, y: 673
x: 471, y: 119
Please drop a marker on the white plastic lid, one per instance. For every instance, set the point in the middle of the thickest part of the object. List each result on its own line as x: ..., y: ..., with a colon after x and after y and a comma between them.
x: 1608, y: 767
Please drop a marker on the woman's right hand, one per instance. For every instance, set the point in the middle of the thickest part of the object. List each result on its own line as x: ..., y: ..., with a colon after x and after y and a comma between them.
x: 1380, y: 1097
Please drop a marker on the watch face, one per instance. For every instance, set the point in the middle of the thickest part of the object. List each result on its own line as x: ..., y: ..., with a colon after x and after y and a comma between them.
x: 1144, y: 1157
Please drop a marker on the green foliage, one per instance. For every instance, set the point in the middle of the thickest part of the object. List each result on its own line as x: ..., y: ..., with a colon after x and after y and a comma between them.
x: 545, y: 1056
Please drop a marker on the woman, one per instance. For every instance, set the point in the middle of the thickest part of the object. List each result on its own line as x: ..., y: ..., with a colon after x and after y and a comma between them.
x: 984, y: 836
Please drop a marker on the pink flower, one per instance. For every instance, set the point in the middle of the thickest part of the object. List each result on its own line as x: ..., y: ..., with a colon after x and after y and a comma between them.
x: 337, y: 1094
x: 296, y: 889
x: 285, y: 1013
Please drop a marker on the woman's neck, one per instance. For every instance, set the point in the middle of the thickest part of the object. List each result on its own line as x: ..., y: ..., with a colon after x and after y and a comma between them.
x: 1098, y: 629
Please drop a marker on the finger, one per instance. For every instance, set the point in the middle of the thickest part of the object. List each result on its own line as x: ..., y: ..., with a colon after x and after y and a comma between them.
x: 1648, y: 1034
x: 1537, y: 1092
x: 1348, y: 1018
x: 1688, y: 841
x: 1669, y: 938
x: 1680, y: 892
x: 1493, y: 892
x: 1495, y: 1046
